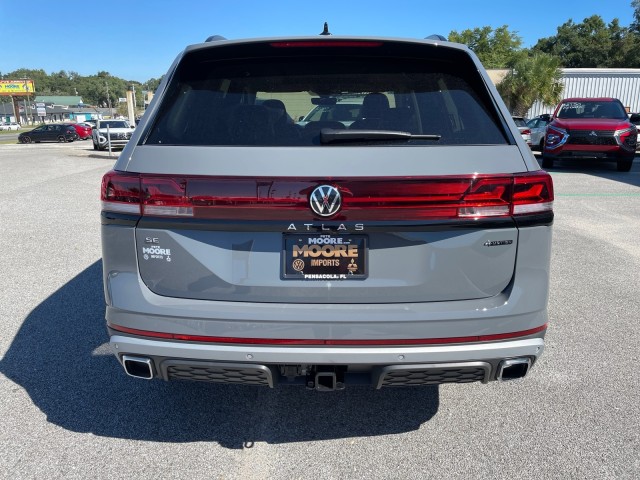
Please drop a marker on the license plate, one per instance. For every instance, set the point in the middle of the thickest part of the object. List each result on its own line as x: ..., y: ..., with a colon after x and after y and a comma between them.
x: 324, y: 257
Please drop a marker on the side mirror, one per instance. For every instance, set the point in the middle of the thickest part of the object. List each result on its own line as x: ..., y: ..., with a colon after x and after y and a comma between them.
x: 300, y: 118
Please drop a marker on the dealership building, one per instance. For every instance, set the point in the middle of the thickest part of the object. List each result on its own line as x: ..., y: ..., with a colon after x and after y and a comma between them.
x: 621, y: 83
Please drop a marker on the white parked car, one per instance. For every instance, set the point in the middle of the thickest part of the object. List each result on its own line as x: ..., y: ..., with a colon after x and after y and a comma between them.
x: 10, y: 126
x: 118, y: 130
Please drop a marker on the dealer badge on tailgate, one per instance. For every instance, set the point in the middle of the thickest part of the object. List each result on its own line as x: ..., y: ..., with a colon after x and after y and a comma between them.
x: 324, y: 257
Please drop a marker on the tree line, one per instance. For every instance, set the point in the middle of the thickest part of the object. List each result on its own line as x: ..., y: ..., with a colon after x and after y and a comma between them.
x: 100, y: 90
x: 534, y: 73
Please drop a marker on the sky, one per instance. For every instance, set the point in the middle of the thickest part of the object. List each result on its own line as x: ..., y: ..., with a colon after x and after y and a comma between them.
x: 139, y: 39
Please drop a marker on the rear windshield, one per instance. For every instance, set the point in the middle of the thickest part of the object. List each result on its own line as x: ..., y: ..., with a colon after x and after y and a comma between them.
x: 592, y: 109
x: 258, y: 95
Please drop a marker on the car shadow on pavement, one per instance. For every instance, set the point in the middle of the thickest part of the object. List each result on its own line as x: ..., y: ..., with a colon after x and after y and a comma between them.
x: 597, y: 168
x: 60, y: 358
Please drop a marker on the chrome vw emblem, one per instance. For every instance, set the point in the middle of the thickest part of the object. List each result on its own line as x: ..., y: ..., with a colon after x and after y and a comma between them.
x: 325, y: 200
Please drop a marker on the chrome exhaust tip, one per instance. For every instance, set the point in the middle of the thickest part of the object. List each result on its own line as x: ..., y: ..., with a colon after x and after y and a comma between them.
x: 513, y: 369
x: 138, y: 367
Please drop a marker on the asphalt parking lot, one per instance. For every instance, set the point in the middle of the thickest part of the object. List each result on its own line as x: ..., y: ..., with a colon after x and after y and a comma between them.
x: 68, y: 410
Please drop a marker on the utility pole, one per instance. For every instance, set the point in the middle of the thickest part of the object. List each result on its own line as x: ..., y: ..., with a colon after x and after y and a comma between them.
x: 109, y: 99
x: 26, y: 104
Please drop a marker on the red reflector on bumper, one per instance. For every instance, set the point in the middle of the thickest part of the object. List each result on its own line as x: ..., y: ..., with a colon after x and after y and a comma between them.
x: 302, y: 342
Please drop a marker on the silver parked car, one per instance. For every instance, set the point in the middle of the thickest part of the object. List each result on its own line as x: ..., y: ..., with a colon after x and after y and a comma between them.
x: 410, y: 248
x: 521, y: 123
x: 538, y: 127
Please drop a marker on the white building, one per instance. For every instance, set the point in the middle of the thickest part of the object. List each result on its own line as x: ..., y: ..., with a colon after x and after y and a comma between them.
x: 621, y: 83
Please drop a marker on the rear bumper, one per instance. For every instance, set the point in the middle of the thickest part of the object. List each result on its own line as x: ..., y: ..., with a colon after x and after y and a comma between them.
x: 375, y: 366
x: 590, y: 151
x: 114, y: 143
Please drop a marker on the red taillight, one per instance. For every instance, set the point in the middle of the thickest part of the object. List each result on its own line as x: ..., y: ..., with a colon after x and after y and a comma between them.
x: 121, y: 193
x: 526, y: 132
x: 487, y: 197
x: 387, y: 199
x: 165, y: 196
x: 532, y: 193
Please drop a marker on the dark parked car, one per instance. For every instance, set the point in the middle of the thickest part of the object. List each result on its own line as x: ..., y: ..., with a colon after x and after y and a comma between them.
x: 49, y: 133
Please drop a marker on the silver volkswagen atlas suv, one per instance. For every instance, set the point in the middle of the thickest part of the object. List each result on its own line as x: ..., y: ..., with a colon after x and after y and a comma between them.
x: 409, y: 246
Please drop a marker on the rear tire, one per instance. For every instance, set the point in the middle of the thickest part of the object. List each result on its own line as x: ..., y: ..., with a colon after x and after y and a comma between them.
x: 61, y: 138
x: 95, y: 147
x: 547, y: 162
x: 624, y: 165
x: 541, y: 146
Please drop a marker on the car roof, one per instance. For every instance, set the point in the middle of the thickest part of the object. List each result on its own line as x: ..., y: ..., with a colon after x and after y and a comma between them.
x: 586, y: 99
x: 317, y: 38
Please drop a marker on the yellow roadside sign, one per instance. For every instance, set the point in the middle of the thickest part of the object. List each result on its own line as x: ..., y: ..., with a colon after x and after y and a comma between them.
x: 16, y: 87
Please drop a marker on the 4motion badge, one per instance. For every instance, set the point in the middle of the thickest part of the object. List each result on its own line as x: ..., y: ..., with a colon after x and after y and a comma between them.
x: 497, y: 243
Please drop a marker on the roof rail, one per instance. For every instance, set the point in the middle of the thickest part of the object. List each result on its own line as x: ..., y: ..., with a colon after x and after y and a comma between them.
x: 435, y: 36
x: 215, y: 38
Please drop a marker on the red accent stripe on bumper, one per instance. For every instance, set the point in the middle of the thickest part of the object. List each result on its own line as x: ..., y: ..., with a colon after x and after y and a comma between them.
x: 294, y: 341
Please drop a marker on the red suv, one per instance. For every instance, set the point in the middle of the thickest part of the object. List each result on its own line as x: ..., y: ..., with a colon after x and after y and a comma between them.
x: 590, y: 128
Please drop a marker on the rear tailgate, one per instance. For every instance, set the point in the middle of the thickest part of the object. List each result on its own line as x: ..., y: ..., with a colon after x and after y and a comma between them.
x: 412, y: 238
